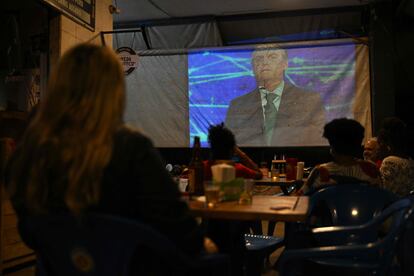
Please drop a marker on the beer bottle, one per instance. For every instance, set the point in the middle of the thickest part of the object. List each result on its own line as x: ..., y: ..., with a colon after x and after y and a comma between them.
x: 196, y: 170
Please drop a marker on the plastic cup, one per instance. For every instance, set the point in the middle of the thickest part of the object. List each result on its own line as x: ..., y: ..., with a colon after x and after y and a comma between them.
x: 182, y: 184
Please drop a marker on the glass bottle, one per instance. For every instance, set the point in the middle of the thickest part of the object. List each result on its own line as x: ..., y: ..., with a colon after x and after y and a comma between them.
x: 196, y: 170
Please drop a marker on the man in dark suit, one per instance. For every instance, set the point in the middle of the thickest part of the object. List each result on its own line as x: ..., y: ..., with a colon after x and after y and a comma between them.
x: 276, y: 113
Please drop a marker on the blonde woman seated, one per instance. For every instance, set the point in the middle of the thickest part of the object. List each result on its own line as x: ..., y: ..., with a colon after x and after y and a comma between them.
x: 345, y: 138
x: 77, y: 156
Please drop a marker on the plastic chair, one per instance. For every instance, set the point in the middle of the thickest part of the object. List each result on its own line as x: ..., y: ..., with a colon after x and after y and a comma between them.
x: 259, y: 248
x: 351, y: 204
x: 366, y: 250
x: 107, y: 245
x: 405, y: 250
x: 338, y: 205
x: 349, y: 192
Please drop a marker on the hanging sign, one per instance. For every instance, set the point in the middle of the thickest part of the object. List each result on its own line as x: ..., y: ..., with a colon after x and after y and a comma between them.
x: 81, y: 11
x: 129, y: 59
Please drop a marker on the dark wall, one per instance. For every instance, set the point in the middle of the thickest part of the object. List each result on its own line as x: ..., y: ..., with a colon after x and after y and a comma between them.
x: 392, y: 55
x: 24, y: 29
x: 382, y: 63
x: 403, y: 62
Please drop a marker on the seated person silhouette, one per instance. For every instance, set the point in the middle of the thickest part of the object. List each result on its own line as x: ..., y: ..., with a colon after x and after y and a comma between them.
x: 223, y: 148
x: 229, y: 235
x: 345, y: 138
x: 77, y: 156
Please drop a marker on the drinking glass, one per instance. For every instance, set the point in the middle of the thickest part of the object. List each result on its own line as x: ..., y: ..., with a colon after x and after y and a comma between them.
x: 246, y: 197
x: 212, y: 193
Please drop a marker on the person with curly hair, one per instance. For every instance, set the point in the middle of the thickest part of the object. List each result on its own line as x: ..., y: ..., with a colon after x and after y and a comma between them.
x: 223, y: 147
x: 229, y: 235
x: 345, y: 139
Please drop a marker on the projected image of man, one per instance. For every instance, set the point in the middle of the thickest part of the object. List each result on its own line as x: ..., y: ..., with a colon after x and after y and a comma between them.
x: 276, y: 113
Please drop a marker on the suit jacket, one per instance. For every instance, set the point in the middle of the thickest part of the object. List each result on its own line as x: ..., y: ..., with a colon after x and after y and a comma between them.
x: 299, y: 122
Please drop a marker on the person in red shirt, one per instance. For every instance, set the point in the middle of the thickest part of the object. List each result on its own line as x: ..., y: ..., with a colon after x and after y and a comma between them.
x: 223, y: 148
x: 229, y: 235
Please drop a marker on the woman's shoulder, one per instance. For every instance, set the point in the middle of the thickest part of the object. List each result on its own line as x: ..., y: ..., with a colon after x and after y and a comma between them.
x: 323, y: 171
x: 329, y: 166
x: 128, y: 133
x: 129, y: 139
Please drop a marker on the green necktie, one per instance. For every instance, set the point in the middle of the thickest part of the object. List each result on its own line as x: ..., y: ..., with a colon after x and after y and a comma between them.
x: 270, y: 116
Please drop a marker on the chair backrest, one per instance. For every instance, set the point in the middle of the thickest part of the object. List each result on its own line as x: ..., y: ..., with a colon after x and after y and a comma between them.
x: 349, y: 204
x: 372, y: 250
x: 401, y: 213
x: 406, y: 244
x: 97, y: 245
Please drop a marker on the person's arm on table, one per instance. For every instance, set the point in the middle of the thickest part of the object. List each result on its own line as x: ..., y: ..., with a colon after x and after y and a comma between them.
x: 245, y: 159
x: 247, y: 162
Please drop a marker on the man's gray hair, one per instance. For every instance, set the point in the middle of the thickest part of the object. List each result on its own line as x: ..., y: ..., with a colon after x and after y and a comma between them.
x: 270, y: 47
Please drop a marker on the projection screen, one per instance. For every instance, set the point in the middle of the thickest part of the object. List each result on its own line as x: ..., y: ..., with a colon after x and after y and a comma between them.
x: 173, y: 96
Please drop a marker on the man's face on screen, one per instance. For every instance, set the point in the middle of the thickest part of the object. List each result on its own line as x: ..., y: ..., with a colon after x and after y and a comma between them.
x: 269, y: 65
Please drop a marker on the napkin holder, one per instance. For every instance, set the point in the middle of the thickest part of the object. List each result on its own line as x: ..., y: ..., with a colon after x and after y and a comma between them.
x: 230, y: 187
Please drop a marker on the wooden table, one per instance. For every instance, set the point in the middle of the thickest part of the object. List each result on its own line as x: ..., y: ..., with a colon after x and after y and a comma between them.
x: 286, y: 185
x: 294, y: 209
x: 272, y: 182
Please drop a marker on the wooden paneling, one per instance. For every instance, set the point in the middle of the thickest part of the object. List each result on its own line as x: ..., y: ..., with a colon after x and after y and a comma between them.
x: 8, y: 208
x: 11, y: 236
x: 9, y: 221
x: 13, y: 251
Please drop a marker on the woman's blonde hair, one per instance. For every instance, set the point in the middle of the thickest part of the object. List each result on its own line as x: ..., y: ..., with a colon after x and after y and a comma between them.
x: 69, y: 142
